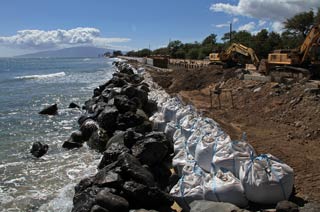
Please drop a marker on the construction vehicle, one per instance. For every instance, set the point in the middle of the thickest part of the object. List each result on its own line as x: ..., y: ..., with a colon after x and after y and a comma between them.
x: 296, y: 64
x: 235, y: 54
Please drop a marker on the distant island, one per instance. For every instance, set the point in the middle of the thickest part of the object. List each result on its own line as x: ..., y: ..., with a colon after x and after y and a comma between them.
x: 84, y: 51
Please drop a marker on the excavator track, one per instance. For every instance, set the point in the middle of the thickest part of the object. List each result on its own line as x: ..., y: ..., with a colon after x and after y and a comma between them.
x: 283, y: 73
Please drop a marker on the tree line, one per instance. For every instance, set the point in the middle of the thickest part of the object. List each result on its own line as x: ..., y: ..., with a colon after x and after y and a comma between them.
x: 263, y: 42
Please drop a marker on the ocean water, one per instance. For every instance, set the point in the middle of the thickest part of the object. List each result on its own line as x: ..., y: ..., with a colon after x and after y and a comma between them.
x: 26, y: 87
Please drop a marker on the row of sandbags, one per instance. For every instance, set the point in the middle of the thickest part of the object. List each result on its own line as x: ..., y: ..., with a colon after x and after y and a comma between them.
x: 211, y: 165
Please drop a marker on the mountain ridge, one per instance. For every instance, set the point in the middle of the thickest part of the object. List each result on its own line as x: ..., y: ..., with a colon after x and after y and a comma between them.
x: 82, y: 51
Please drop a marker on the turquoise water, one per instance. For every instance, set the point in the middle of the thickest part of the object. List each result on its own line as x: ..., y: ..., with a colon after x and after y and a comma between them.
x: 27, y: 86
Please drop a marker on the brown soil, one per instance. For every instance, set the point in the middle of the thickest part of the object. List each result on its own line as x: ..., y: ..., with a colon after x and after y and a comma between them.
x: 283, y: 120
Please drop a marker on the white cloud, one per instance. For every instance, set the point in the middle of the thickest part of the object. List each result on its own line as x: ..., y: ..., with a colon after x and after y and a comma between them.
x: 277, y: 26
x: 40, y: 39
x: 235, y: 20
x: 222, y: 25
x: 262, y: 23
x: 275, y: 10
x: 247, y: 27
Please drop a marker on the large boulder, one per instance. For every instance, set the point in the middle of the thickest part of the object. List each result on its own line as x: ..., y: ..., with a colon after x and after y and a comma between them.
x: 111, y: 201
x: 88, y: 127
x: 73, y: 105
x: 124, y: 104
x: 149, y: 151
x: 131, y: 137
x: 131, y: 169
x: 150, y: 107
x: 90, y: 104
x: 142, y: 196
x: 75, y: 141
x: 97, y: 208
x: 109, y: 179
x: 50, y: 110
x: 132, y: 91
x: 126, y: 70
x: 209, y: 206
x: 38, y: 149
x: 98, y: 140
x: 109, y: 93
x: 129, y: 119
x: 83, y: 185
x: 144, y: 128
x: 112, y: 153
x: 287, y: 206
x: 107, y: 119
x: 84, y: 201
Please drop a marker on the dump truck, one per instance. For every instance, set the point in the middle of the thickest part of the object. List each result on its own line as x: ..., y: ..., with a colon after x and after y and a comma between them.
x: 235, y: 54
x: 297, y: 64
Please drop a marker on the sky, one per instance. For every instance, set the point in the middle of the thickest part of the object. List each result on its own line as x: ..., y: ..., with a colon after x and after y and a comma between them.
x: 29, y: 26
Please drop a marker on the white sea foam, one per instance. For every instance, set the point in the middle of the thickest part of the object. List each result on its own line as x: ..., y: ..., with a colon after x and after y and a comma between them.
x: 42, y: 76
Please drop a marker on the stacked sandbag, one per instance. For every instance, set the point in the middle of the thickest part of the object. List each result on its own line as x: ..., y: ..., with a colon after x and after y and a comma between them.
x: 266, y: 179
x: 231, y: 155
x: 190, y: 186
x: 226, y: 170
x: 196, y: 184
x: 206, y: 148
x: 223, y: 186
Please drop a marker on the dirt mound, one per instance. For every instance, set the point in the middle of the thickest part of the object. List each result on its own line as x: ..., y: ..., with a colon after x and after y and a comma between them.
x: 188, y: 80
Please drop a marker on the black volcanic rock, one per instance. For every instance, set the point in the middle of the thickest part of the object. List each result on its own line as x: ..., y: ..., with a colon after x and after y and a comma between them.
x: 51, y: 110
x: 73, y: 105
x: 88, y: 127
x: 111, y: 201
x: 112, y: 153
x: 75, y: 141
x: 142, y: 196
x: 124, y: 104
x: 107, y: 118
x: 84, y: 201
x: 38, y: 149
x: 150, y: 151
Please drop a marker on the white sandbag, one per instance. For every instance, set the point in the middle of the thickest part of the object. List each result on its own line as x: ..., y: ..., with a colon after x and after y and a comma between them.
x: 187, y: 124
x: 183, y: 111
x: 170, y: 129
x: 189, y: 187
x: 180, y: 160
x: 158, y: 123
x: 205, y: 149
x: 266, y: 179
x: 179, y: 141
x: 140, y: 70
x: 193, y: 141
x: 202, y: 127
x: 170, y: 109
x: 230, y: 156
x: 223, y: 186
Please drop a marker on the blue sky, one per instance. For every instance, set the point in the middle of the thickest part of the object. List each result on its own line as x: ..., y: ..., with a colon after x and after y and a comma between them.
x: 36, y: 25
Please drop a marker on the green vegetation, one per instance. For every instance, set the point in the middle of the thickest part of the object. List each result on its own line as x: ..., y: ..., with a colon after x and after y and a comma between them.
x: 296, y: 28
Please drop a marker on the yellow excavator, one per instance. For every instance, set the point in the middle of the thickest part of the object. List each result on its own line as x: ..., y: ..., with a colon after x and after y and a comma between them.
x: 297, y: 64
x: 235, y: 54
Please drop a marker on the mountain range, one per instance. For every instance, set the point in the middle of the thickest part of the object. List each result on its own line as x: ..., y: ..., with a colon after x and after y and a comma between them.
x: 84, y: 51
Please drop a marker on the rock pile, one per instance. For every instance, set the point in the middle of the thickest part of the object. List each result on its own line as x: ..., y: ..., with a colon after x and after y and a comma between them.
x: 134, y: 170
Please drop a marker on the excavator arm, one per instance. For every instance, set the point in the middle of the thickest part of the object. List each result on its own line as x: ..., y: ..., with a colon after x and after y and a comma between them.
x: 239, y: 49
x: 312, y: 40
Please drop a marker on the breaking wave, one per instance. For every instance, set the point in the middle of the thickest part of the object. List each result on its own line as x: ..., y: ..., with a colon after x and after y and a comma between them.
x: 42, y: 76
